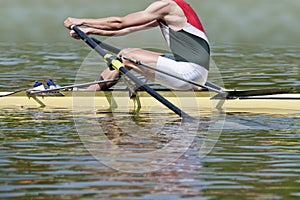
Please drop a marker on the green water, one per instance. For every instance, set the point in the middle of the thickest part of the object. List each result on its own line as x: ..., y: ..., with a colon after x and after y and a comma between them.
x: 43, y: 156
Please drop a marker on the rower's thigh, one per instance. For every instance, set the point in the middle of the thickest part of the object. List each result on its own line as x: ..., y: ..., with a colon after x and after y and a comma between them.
x: 145, y: 56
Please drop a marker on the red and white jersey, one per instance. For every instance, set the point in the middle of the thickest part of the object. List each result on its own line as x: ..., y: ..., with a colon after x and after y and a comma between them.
x: 190, y: 44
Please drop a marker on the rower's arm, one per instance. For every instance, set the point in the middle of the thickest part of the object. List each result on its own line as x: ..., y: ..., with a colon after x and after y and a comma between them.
x: 120, y: 32
x: 154, y: 11
x: 122, y: 25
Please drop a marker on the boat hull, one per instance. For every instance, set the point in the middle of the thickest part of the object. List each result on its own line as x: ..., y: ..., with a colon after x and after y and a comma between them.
x: 119, y: 101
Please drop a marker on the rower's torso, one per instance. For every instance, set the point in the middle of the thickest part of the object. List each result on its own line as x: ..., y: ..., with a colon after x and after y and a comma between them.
x: 187, y: 41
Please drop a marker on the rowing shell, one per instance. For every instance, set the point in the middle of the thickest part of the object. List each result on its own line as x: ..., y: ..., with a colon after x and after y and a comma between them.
x: 118, y: 100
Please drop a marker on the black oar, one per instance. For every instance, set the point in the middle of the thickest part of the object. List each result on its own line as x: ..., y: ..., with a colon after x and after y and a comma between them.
x: 116, y: 64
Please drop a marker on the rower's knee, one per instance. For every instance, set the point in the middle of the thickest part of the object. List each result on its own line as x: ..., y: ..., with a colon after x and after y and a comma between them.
x: 129, y: 52
x: 132, y: 53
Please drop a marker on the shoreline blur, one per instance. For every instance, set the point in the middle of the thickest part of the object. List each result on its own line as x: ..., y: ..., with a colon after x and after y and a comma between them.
x: 253, y: 22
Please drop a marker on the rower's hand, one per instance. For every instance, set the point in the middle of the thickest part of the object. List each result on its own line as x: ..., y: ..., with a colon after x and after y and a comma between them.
x: 73, y: 21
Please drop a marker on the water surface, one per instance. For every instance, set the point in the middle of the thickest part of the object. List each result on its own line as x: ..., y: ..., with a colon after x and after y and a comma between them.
x: 43, y: 157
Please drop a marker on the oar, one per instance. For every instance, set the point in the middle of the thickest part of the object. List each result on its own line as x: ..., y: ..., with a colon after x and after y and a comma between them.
x: 116, y: 64
x: 222, y: 92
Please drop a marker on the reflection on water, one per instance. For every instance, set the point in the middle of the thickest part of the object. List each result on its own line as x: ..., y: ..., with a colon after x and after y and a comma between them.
x: 43, y: 156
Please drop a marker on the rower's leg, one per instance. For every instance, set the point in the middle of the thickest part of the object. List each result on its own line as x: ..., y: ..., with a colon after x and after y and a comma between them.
x: 147, y: 57
x: 144, y: 56
x: 106, y: 74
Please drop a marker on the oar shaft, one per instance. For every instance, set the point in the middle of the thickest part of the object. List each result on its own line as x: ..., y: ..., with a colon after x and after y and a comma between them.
x: 106, y: 46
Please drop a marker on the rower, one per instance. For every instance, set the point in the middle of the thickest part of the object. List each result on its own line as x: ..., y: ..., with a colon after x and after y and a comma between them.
x: 182, y: 31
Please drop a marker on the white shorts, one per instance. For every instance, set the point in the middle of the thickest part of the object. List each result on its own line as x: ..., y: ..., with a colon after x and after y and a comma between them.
x: 189, y: 71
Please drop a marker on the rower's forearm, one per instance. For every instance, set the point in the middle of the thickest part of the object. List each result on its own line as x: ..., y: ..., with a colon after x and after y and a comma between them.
x: 110, y: 23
